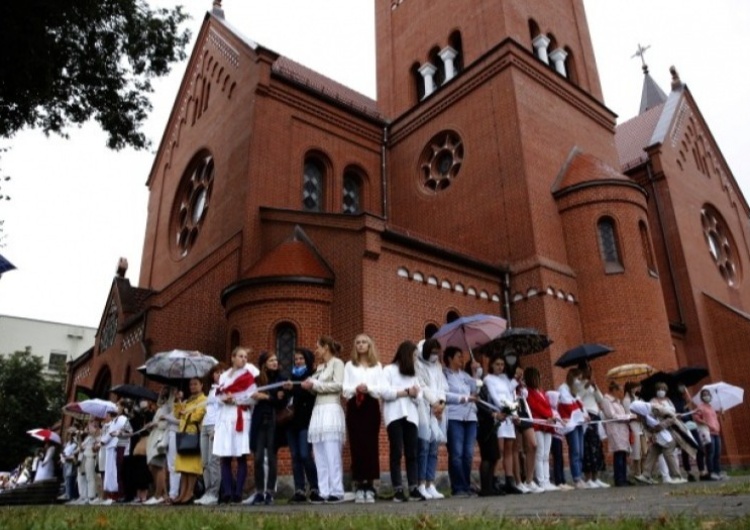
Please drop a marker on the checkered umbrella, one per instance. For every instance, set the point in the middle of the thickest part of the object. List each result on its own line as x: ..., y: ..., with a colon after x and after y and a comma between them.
x: 175, y: 366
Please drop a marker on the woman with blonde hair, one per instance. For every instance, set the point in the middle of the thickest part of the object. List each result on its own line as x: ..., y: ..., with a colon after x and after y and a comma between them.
x: 362, y: 380
x: 232, y: 429
x: 190, y: 465
x: 327, y: 429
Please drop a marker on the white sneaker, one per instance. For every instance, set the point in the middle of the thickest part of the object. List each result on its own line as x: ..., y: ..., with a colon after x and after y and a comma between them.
x: 523, y: 487
x: 591, y: 484
x: 423, y: 491
x: 715, y: 476
x: 106, y: 502
x: 581, y: 485
x: 533, y: 488
x: 207, y: 500
x: 548, y: 486
x: 154, y: 500
x: 369, y: 496
x: 432, y: 490
x: 95, y: 502
x: 601, y: 483
x: 359, y: 496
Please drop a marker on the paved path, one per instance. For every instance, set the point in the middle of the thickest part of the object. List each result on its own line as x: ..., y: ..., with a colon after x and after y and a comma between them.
x: 691, y: 499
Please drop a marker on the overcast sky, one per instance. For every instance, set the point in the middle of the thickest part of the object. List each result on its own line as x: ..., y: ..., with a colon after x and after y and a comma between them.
x: 77, y: 207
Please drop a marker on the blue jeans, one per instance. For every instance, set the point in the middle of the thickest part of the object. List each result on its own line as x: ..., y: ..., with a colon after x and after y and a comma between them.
x: 461, y: 438
x: 558, y: 469
x: 714, y: 456
x: 302, y: 460
x: 427, y: 460
x: 575, y: 452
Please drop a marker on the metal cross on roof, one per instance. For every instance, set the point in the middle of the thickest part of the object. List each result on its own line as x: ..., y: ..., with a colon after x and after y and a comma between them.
x: 640, y: 53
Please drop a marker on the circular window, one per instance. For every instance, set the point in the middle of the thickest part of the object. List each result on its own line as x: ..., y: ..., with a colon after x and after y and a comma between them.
x: 441, y: 160
x: 720, y: 245
x: 193, y: 199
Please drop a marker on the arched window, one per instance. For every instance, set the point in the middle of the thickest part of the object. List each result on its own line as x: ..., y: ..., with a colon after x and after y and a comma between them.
x: 609, y: 245
x: 455, y: 42
x: 286, y: 343
x: 312, y: 185
x: 437, y: 62
x: 417, y: 82
x: 352, y: 193
x: 646, y: 245
x: 102, y: 383
x: 429, y: 331
x: 570, y: 65
x: 451, y: 316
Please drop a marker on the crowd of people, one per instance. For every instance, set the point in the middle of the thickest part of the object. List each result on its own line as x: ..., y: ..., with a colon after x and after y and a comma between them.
x: 426, y: 397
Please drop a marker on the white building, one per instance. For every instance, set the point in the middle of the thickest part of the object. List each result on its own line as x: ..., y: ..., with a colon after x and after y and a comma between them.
x: 56, y: 343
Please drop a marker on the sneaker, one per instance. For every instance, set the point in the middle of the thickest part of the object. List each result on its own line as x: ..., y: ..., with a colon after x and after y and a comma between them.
x: 591, y: 484
x: 601, y: 483
x: 422, y: 489
x: 334, y: 499
x: 533, y: 488
x: 690, y: 477
x: 643, y: 479
x: 548, y: 486
x: 359, y: 496
x: 432, y: 490
x: 715, y: 476
x: 106, y: 502
x: 415, y: 495
x: 316, y: 497
x: 268, y: 498
x: 255, y: 500
x: 400, y: 496
x: 581, y: 485
x: 523, y: 487
x: 563, y: 487
x: 299, y: 496
x: 670, y: 480
x: 369, y: 496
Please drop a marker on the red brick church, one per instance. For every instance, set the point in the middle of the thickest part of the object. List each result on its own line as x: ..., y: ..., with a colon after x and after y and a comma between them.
x: 488, y: 177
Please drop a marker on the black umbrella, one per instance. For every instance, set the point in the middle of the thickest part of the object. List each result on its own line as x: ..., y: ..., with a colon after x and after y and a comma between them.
x: 135, y: 392
x: 648, y: 385
x: 582, y: 354
x: 519, y: 341
x: 689, y: 375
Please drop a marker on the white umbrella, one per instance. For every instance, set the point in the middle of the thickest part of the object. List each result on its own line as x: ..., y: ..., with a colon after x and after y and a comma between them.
x: 723, y: 396
x: 93, y: 407
x: 176, y: 365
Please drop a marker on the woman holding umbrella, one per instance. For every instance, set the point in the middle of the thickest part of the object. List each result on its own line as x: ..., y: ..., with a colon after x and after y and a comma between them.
x: 46, y: 466
x: 709, y: 432
x: 232, y: 430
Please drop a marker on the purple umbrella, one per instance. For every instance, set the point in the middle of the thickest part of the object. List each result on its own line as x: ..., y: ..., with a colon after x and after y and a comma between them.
x: 470, y: 332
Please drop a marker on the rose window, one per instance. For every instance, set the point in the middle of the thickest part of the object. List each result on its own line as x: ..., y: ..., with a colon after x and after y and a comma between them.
x: 720, y: 245
x: 193, y: 198
x: 441, y: 160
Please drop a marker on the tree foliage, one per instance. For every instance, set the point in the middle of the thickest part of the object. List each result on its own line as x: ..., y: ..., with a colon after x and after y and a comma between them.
x: 28, y: 400
x: 64, y: 62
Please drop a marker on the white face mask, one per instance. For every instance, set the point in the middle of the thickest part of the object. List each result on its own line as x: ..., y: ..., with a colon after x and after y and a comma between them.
x: 661, y: 393
x: 577, y: 383
x: 706, y: 398
x: 433, y: 359
x: 511, y: 360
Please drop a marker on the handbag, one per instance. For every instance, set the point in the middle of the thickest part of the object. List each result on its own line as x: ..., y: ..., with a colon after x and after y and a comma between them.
x: 188, y: 443
x: 284, y: 415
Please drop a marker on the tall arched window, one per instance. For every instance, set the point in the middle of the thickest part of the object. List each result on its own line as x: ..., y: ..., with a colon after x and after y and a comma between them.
x: 429, y: 331
x: 646, y: 244
x: 437, y: 62
x: 286, y: 343
x: 418, y: 82
x: 451, y: 316
x: 352, y: 193
x: 312, y: 185
x: 455, y: 42
x: 609, y: 245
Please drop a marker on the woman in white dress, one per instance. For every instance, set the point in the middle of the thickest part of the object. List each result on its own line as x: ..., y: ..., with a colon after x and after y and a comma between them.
x: 502, y: 391
x: 362, y: 381
x: 328, y: 427
x: 232, y: 428
x: 115, y: 449
x: 46, y: 466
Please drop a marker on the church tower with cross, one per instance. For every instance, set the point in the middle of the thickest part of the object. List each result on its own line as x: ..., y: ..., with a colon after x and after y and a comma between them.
x: 489, y: 177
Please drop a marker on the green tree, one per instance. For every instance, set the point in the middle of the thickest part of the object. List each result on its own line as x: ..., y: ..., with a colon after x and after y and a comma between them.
x: 64, y: 62
x: 28, y: 400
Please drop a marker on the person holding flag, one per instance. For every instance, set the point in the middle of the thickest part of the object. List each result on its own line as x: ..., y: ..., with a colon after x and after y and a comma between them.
x: 231, y: 432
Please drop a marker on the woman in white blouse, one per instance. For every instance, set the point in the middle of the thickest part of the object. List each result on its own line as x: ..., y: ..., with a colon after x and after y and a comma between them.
x: 362, y: 381
x: 400, y: 393
x: 502, y: 391
x: 327, y: 426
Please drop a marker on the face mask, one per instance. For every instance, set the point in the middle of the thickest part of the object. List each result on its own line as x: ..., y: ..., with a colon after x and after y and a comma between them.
x: 433, y: 359
x: 706, y: 398
x: 660, y: 393
x: 144, y: 405
x: 577, y: 383
x: 299, y: 370
x: 511, y: 359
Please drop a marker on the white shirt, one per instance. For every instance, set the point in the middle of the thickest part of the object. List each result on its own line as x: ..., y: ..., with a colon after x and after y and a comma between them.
x: 394, y: 407
x: 372, y: 376
x: 212, y: 407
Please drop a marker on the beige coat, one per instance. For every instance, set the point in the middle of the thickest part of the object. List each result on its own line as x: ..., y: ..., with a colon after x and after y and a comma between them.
x: 618, y: 432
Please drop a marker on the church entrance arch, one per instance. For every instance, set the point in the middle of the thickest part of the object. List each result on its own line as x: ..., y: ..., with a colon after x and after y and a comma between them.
x: 103, y: 383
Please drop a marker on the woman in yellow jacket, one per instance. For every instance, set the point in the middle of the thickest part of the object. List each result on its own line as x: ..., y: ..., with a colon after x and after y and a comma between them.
x: 190, y: 414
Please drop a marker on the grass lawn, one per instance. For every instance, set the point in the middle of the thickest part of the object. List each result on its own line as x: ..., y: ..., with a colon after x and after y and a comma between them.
x: 67, y: 518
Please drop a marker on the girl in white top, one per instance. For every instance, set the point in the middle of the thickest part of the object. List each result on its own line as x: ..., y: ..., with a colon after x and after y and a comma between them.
x: 115, y: 452
x: 232, y: 428
x: 362, y: 381
x: 87, y: 486
x: 46, y: 467
x: 502, y: 391
x: 328, y: 425
x: 434, y: 386
x: 400, y: 393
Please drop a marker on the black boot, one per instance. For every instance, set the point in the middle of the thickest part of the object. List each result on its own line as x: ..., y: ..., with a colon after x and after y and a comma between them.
x: 510, y: 486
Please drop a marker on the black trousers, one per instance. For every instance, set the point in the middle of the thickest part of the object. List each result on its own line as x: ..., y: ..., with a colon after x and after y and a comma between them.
x: 404, y: 441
